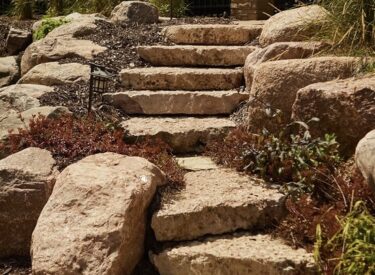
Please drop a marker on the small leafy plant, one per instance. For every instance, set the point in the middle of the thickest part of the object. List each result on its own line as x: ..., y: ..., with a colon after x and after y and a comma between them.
x: 179, y: 7
x: 47, y: 26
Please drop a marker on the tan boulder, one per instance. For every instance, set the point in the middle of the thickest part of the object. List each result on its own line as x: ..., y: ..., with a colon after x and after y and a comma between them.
x: 9, y: 70
x: 18, y: 40
x: 94, y: 221
x: 135, y: 12
x: 344, y: 107
x: 26, y: 181
x: 276, y: 84
x: 365, y: 158
x: 279, y: 51
x: 243, y: 254
x: 53, y: 73
x: 293, y: 25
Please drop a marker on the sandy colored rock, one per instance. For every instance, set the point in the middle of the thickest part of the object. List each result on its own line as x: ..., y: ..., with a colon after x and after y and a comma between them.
x: 221, y: 56
x: 365, y: 158
x: 183, y: 134
x: 197, y: 163
x: 21, y: 97
x: 172, y: 78
x: 293, y: 25
x: 176, y: 102
x: 53, y: 73
x: 276, y: 84
x: 135, y: 12
x: 239, y: 254
x: 18, y: 40
x: 344, y: 107
x: 279, y: 51
x: 13, y: 120
x: 216, y: 202
x: 26, y: 181
x: 94, y: 221
x: 212, y: 34
x: 9, y: 70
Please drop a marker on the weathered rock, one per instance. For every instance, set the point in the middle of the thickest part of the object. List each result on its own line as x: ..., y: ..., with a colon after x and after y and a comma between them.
x: 212, y: 34
x: 196, y: 163
x: 21, y: 97
x: 18, y: 40
x: 176, y: 102
x: 26, y: 181
x: 279, y: 51
x: 94, y: 221
x: 135, y: 12
x: 293, y: 25
x: 13, y: 120
x: 221, y: 56
x: 9, y: 70
x: 190, y: 79
x: 53, y: 73
x: 183, y: 134
x: 215, y: 202
x: 365, y: 158
x: 345, y: 108
x: 276, y: 84
x: 239, y: 254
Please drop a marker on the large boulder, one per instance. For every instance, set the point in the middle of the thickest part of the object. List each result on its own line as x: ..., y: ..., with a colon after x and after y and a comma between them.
x: 9, y: 70
x: 293, y: 25
x: 94, y: 221
x: 53, y: 73
x: 135, y: 12
x: 18, y: 40
x: 63, y: 42
x: 346, y: 108
x: 276, y: 84
x: 279, y: 51
x: 365, y: 158
x: 26, y: 181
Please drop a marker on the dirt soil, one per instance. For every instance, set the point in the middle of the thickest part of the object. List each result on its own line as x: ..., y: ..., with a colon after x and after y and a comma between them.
x: 15, y: 266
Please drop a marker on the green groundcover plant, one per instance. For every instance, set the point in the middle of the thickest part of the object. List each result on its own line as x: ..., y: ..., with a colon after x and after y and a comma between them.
x: 47, y: 26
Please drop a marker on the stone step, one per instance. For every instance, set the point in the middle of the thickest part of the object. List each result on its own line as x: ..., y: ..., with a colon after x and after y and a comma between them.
x: 214, y: 56
x: 241, y: 254
x: 176, y: 102
x: 190, y: 79
x: 212, y: 34
x: 183, y: 134
x: 216, y: 202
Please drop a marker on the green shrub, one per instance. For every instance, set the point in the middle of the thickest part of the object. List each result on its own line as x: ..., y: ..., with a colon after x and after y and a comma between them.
x: 47, y: 26
x: 179, y: 7
x: 23, y: 9
x: 355, y: 242
x: 350, y: 25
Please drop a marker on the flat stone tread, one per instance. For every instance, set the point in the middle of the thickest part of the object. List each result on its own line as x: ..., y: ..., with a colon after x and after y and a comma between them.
x: 217, y: 94
x: 263, y: 249
x: 181, y: 71
x: 198, y: 47
x: 197, y: 163
x: 217, y: 26
x: 150, y: 126
x: 213, y: 188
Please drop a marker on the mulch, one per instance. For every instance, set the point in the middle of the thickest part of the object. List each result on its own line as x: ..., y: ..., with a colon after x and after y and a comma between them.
x: 15, y: 266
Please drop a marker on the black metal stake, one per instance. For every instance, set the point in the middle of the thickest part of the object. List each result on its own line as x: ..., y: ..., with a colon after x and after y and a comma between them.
x: 171, y: 9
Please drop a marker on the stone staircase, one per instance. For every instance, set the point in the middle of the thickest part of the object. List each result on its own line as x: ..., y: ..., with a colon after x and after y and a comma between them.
x: 210, y: 227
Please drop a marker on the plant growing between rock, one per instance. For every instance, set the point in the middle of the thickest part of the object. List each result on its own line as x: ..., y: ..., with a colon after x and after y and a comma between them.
x: 47, y: 26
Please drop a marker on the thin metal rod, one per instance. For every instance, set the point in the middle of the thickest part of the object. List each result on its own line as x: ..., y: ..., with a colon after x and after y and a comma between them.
x: 171, y: 9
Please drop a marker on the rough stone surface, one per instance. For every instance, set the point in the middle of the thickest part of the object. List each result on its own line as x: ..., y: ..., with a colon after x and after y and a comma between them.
x: 26, y: 181
x: 197, y: 163
x: 276, y: 83
x: 212, y: 34
x: 344, y: 107
x: 12, y: 120
x: 190, y: 79
x: 216, y: 202
x: 18, y: 40
x: 239, y: 254
x: 183, y: 134
x: 221, y: 56
x: 279, y: 51
x: 365, y: 158
x: 9, y: 70
x: 176, y: 102
x: 94, y: 221
x: 53, y: 73
x: 293, y: 25
x: 21, y: 97
x: 135, y: 12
